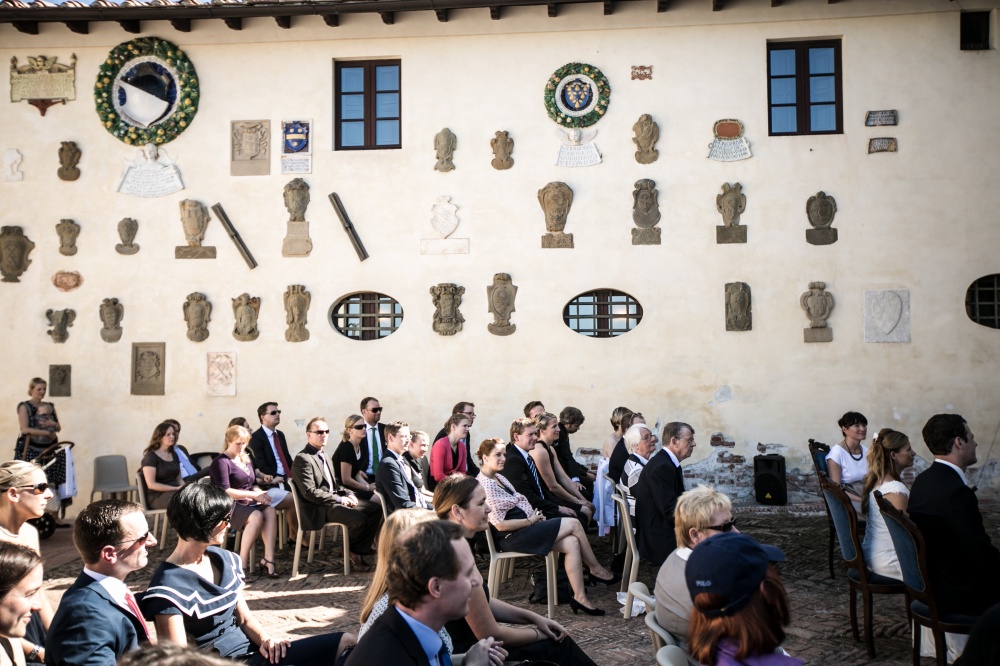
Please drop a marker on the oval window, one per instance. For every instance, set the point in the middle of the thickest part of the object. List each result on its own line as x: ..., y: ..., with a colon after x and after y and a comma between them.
x: 982, y: 301
x: 602, y: 313
x: 366, y: 315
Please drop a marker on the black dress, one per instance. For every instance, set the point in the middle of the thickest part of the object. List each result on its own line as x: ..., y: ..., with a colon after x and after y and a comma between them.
x: 345, y: 454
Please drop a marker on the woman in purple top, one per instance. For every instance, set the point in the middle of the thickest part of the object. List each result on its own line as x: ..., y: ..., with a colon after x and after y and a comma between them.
x: 233, y: 472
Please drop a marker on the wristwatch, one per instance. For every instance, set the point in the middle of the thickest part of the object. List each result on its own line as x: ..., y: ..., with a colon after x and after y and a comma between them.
x: 33, y: 655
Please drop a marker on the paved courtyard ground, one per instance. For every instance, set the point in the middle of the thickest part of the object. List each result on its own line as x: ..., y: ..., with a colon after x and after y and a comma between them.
x: 326, y: 600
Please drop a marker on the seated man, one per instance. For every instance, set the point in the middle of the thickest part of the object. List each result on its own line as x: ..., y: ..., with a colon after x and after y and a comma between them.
x: 660, y: 484
x: 324, y: 501
x: 98, y: 619
x: 394, y: 480
x: 641, y: 444
x: 570, y: 420
x: 520, y: 470
x: 430, y: 577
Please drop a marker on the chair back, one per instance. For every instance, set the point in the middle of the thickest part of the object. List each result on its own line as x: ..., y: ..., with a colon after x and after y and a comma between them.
x: 296, y: 502
x: 140, y: 484
x: 641, y: 592
x: 110, y: 471
x: 671, y: 655
x: 626, y: 523
x: 381, y: 500
x: 490, y: 542
x: 909, y: 545
x: 845, y: 520
x: 621, y: 489
x: 818, y: 452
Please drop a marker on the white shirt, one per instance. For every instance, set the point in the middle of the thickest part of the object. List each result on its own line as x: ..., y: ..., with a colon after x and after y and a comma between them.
x: 370, y: 438
x: 954, y: 467
x: 279, y: 468
x: 116, y: 588
x: 677, y: 463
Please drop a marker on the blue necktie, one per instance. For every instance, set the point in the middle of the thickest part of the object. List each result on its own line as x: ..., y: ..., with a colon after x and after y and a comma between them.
x: 444, y: 658
x: 534, y: 473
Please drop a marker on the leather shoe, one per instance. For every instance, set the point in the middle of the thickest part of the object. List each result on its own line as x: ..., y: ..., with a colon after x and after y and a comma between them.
x: 358, y: 563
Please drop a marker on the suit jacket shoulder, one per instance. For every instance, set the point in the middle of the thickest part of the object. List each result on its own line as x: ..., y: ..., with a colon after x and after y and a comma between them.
x: 89, y: 628
x: 389, y: 641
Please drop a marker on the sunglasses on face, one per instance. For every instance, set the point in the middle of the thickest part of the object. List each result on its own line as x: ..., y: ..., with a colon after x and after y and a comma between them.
x: 724, y: 527
x: 274, y: 412
x: 38, y: 488
x: 360, y: 426
x: 131, y: 542
x: 320, y: 432
x: 375, y: 410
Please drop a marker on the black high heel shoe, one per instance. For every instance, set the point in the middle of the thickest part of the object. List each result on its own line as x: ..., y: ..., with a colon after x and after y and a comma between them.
x: 267, y: 566
x: 614, y: 580
x: 577, y: 606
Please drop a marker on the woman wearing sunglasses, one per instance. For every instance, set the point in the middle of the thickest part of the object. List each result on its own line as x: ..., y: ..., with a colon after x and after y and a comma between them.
x: 197, y: 593
x: 26, y: 493
x: 350, y: 458
x: 20, y: 598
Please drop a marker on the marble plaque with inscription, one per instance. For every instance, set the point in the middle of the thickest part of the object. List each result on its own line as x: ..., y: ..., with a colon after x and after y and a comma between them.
x: 882, y: 145
x: 42, y: 78
x: 729, y: 144
x: 149, y: 368
x: 220, y: 377
x: 578, y: 156
x: 881, y: 118
x: 887, y: 315
x: 150, y: 174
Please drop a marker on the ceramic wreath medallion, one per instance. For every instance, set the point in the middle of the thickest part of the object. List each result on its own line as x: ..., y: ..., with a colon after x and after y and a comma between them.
x: 576, y: 97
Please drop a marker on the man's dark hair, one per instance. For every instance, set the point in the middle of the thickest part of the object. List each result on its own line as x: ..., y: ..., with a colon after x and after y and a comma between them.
x: 263, y: 410
x: 674, y: 429
x: 940, y: 432
x: 100, y: 525
x: 392, y: 428
x: 571, y: 416
x: 422, y: 552
x: 459, y: 407
x: 531, y: 405
x: 196, y: 510
x: 16, y: 562
x: 365, y: 401
x: 170, y: 654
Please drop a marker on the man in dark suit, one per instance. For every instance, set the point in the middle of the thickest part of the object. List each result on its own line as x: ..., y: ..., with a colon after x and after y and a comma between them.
x: 98, y: 619
x: 393, y: 478
x: 271, y: 459
x: 431, y: 576
x: 323, y: 501
x: 374, y: 450
x: 469, y: 409
x: 520, y: 470
x: 964, y: 564
x: 656, y: 493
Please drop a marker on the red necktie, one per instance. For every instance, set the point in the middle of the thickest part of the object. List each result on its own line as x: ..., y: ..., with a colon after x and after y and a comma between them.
x: 134, y: 607
x: 281, y: 454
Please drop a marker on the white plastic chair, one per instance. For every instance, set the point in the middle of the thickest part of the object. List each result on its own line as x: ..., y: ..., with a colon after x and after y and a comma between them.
x: 377, y: 496
x: 671, y: 655
x: 111, y: 476
x: 312, y: 538
x: 631, y: 553
x: 661, y: 636
x: 505, y: 561
x: 140, y: 484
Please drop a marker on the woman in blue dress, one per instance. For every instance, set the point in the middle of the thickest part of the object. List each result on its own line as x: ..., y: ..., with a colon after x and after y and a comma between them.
x: 196, y: 595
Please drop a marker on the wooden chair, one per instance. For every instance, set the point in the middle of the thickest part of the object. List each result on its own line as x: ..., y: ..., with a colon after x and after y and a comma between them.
x: 140, y: 485
x: 859, y: 577
x: 817, y: 452
x: 631, y: 553
x: 912, y: 555
x: 312, y: 537
x: 502, y: 567
x: 111, y: 476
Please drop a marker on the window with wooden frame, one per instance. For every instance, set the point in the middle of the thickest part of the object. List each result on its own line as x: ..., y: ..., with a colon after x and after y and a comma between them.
x: 367, y: 105
x: 602, y: 313
x: 805, y: 88
x: 366, y: 316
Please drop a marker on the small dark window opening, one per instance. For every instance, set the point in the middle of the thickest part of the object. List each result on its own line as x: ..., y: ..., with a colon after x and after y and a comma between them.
x: 603, y: 313
x: 366, y: 316
x: 975, y: 31
x: 982, y: 301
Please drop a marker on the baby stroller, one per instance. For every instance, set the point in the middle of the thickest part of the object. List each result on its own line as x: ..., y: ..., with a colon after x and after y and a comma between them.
x: 46, y: 525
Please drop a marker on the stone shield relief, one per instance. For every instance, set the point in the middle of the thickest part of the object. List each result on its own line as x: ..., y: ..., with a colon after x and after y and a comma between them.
x: 887, y: 315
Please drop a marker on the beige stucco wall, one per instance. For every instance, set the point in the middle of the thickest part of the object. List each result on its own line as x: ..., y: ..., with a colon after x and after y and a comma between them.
x: 921, y: 220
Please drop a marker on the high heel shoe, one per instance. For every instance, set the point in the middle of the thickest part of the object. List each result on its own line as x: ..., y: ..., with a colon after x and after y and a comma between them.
x: 614, y: 580
x: 267, y: 566
x: 577, y: 606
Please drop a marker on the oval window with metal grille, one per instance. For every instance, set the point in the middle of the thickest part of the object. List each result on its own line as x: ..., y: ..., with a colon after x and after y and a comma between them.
x: 366, y: 315
x: 982, y: 301
x: 602, y: 313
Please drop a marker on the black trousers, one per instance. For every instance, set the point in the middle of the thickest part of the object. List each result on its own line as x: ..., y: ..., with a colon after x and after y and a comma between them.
x: 362, y: 522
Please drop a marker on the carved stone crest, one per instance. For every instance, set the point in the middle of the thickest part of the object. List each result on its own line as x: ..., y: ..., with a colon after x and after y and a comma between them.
x: 444, y: 220
x: 297, y: 242
x: 194, y: 219
x: 250, y: 153
x: 68, y: 231
x: 127, y: 229
x: 645, y: 213
x: 14, y: 250
x: 149, y: 366
x: 221, y: 374
x: 731, y: 204
x: 820, y: 209
x: 60, y: 321
x: 500, y: 296
x: 245, y: 311
x: 503, y: 149
x: 11, y: 172
x: 151, y: 173
x: 647, y: 133
x: 69, y: 157
x: 739, y: 316
x: 111, y: 312
x: 817, y: 304
x: 887, y: 315
x: 60, y: 381
x: 197, y: 315
x: 447, y: 298
x: 297, y: 301
x: 444, y: 148
x: 556, y: 199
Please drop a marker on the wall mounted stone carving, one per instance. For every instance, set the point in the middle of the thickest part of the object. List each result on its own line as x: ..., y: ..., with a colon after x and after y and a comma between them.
x: 576, y: 149
x: 556, y: 199
x: 60, y: 321
x: 728, y: 144
x: 11, y: 172
x: 817, y: 304
x: 882, y: 145
x: 645, y: 213
x: 297, y: 301
x: 500, y: 296
x: 642, y: 72
x: 67, y: 280
x: 296, y: 146
x: 503, y: 149
x: 69, y: 157
x: 820, y: 209
x: 444, y: 220
x: 61, y: 381
x: 245, y: 310
x: 197, y: 315
x: 151, y: 173
x: 68, y: 231
x: 43, y: 82
x: 297, y: 242
x: 14, y: 250
x: 194, y: 220
x: 445, y: 143
x: 447, y: 298
x: 111, y: 312
x: 250, y: 153
x: 127, y: 229
x: 149, y: 368
x: 221, y: 374
x: 647, y: 133
x: 731, y: 204
x: 887, y: 315
x: 739, y: 316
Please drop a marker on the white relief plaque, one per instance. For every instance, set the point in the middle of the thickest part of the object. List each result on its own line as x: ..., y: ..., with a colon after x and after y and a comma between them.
x: 221, y: 374
x: 887, y: 315
x: 151, y: 173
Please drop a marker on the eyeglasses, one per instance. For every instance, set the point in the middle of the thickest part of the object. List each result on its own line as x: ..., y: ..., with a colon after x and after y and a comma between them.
x: 360, y: 426
x: 38, y: 488
x: 724, y: 527
x: 470, y: 414
x: 131, y: 542
x: 320, y: 432
x: 274, y: 412
x: 375, y: 410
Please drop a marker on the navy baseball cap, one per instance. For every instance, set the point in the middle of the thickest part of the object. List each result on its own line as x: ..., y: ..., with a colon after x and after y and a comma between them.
x: 731, y: 565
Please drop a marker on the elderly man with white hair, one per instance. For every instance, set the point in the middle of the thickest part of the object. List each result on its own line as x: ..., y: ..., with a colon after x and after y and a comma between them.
x: 641, y: 444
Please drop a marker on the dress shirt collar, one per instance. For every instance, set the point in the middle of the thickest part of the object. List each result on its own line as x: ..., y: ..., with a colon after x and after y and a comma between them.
x: 677, y: 463
x: 642, y: 460
x: 267, y: 431
x: 429, y: 639
x: 955, y: 467
x: 312, y: 450
x: 524, y: 453
x: 684, y: 553
x: 116, y: 588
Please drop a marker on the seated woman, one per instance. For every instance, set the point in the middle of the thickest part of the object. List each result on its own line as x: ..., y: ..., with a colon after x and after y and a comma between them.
x: 740, y: 605
x: 550, y: 469
x: 524, y: 530
x: 614, y: 447
x: 448, y: 453
x: 350, y: 458
x: 846, y: 461
x: 161, y: 469
x: 890, y: 454
x: 20, y: 596
x: 462, y: 500
x: 415, y: 450
x: 197, y: 593
x: 641, y: 443
x: 234, y: 473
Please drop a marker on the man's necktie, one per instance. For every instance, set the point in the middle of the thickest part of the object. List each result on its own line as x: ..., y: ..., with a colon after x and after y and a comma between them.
x: 534, y: 473
x: 281, y: 454
x: 326, y: 470
x: 134, y: 607
x: 375, y: 448
x: 444, y: 657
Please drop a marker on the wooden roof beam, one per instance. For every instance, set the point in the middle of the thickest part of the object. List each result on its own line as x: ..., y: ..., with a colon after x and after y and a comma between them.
x: 495, y: 12
x: 79, y: 27
x: 388, y: 17
x: 181, y: 25
x: 284, y: 22
x: 332, y: 20
x: 234, y: 22
x: 27, y: 27
x: 131, y: 26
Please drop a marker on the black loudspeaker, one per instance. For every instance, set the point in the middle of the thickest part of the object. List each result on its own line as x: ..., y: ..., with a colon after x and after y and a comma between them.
x: 770, y: 486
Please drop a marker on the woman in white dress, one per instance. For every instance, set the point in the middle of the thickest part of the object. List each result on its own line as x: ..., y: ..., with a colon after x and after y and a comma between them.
x: 890, y: 454
x: 846, y: 461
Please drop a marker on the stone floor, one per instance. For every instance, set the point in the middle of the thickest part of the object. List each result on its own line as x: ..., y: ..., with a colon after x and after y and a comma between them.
x: 326, y: 600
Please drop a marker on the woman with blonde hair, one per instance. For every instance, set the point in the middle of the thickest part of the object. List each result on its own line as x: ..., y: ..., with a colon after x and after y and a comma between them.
x: 553, y: 476
x: 161, y: 468
x: 350, y: 458
x: 889, y: 455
